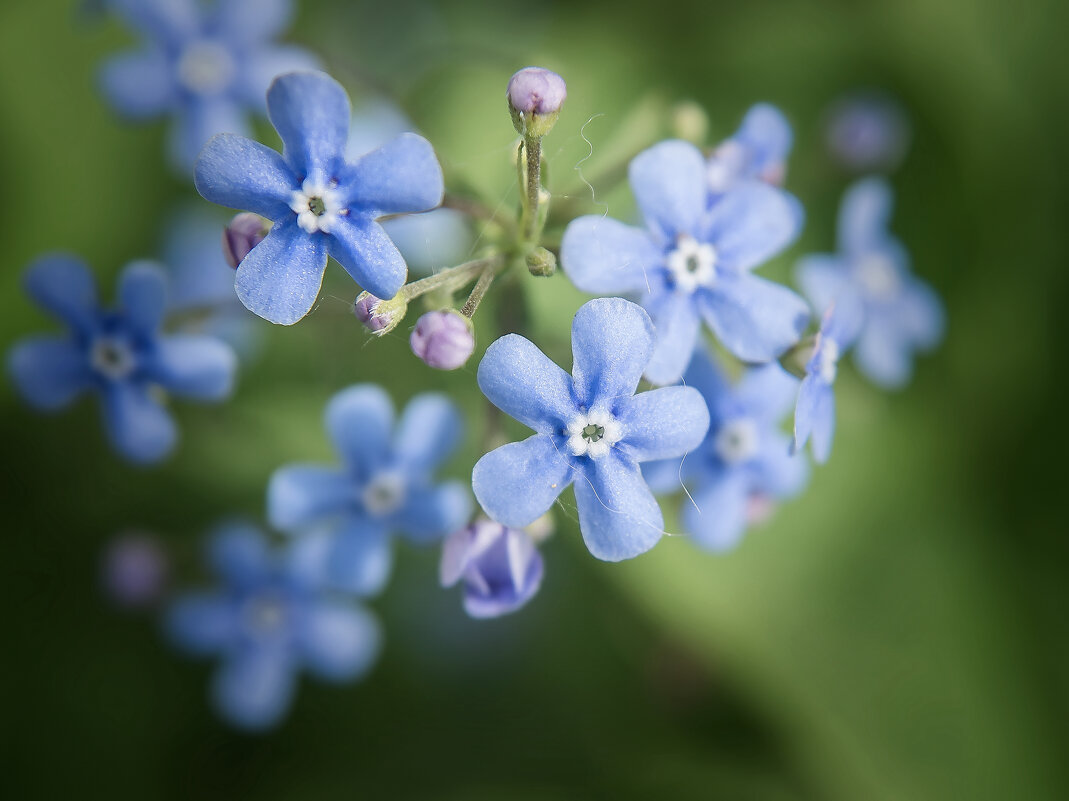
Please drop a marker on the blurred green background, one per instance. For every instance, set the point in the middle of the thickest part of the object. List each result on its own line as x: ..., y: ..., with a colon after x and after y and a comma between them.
x: 896, y: 633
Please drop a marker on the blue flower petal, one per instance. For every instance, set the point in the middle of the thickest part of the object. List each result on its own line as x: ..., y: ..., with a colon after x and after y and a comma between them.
x: 663, y: 424
x: 779, y: 471
x: 675, y: 332
x: 823, y: 279
x: 361, y: 556
x: 430, y: 513
x: 864, y: 214
x: 310, y: 111
x: 63, y: 285
x: 923, y: 316
x: 197, y: 123
x: 368, y: 254
x: 755, y: 319
x: 49, y: 372
x: 768, y: 392
x: 143, y: 297
x: 430, y: 241
x: 339, y: 642
x: 166, y: 21
x: 239, y: 554
x: 705, y: 375
x: 716, y: 519
x: 201, y: 624
x: 429, y: 430
x: 612, y: 341
x: 194, y: 367
x: 517, y: 483
x: 883, y: 354
x: 254, y: 688
x: 604, y: 256
x: 751, y: 224
x: 522, y: 382
x: 618, y: 514
x: 280, y: 278
x: 666, y: 475
x: 252, y: 21
x: 768, y: 136
x: 401, y: 176
x: 198, y: 275
x: 814, y: 417
x: 139, y: 84
x: 138, y: 426
x: 264, y: 64
x: 242, y: 174
x: 302, y: 495
x: 359, y: 420
x: 668, y: 181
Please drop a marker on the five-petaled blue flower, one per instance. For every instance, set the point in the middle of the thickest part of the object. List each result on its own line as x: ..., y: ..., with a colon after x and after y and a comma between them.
x: 206, y: 64
x: 693, y: 260
x: 592, y: 429
x: 900, y: 313
x: 814, y: 415
x: 383, y: 486
x: 118, y: 354
x: 321, y: 203
x: 271, y: 618
x: 501, y: 568
x: 745, y: 463
x: 756, y: 152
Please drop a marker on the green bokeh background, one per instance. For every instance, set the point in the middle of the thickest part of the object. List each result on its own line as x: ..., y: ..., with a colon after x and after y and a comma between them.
x: 897, y: 633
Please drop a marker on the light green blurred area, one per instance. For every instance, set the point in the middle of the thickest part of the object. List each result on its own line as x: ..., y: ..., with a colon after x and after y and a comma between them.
x: 896, y: 633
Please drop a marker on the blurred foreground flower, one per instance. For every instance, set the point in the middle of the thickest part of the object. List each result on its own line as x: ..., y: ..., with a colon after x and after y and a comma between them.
x: 501, y: 568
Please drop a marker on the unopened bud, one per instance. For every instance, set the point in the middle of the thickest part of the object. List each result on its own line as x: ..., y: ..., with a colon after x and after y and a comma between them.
x: 242, y: 234
x: 443, y: 339
x: 134, y: 570
x: 379, y: 316
x: 535, y: 98
x: 541, y: 262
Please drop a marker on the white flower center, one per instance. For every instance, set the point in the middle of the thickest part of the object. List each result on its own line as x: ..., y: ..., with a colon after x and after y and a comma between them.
x: 206, y: 68
x: 828, y: 360
x: 736, y: 441
x: 692, y: 264
x: 878, y: 277
x: 384, y: 494
x: 318, y: 206
x: 264, y: 615
x: 592, y: 434
x: 112, y: 357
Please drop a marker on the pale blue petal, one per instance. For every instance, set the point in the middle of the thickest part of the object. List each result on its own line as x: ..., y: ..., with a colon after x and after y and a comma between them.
x: 138, y: 426
x: 253, y: 689
x: 201, y: 624
x: 401, y: 176
x: 755, y: 319
x: 509, y: 574
x: 864, y: 215
x: 252, y: 21
x: 768, y: 392
x: 668, y: 181
x: 429, y: 430
x: 779, y: 471
x: 375, y: 122
x: 361, y: 557
x: 49, y: 372
x: 612, y: 342
x: 883, y: 354
x: 239, y: 554
x: 517, y: 483
x: 522, y: 382
x: 264, y: 64
x: 663, y: 423
x: 359, y: 421
x: 194, y: 367
x: 751, y: 224
x: 706, y: 376
x: 604, y: 256
x: 143, y: 296
x: 675, y: 332
x: 814, y: 418
x: 310, y: 111
x: 63, y: 285
x: 280, y: 278
x: 198, y: 274
x: 166, y: 21
x: 368, y: 254
x: 198, y: 122
x: 618, y: 515
x: 139, y: 84
x: 823, y: 279
x: 241, y: 174
x: 302, y: 495
x: 339, y: 642
x: 768, y: 136
x: 667, y: 475
x: 716, y: 519
x: 923, y: 316
x: 431, y: 513
x: 430, y: 241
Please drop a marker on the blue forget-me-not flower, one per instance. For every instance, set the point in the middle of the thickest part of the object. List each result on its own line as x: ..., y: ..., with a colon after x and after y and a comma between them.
x: 756, y: 152
x: 384, y: 485
x: 693, y: 261
x: 207, y: 64
x: 745, y: 462
x: 592, y: 429
x: 900, y: 313
x: 321, y: 203
x: 501, y: 568
x: 270, y: 619
x: 119, y: 354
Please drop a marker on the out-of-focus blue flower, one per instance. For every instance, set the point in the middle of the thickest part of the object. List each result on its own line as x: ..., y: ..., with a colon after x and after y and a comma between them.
x: 428, y: 241
x: 745, y: 462
x: 270, y: 619
x: 814, y: 414
x: 693, y: 262
x: 206, y: 64
x: 591, y: 429
x: 321, y: 203
x: 867, y: 131
x: 134, y: 570
x: 900, y: 313
x: 118, y: 354
x: 385, y: 484
x: 501, y: 568
x: 756, y: 152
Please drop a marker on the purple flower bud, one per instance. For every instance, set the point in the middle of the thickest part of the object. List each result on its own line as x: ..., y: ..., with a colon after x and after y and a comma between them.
x: 443, y: 339
x: 379, y: 316
x: 867, y: 132
x: 535, y: 98
x: 241, y: 235
x: 134, y: 571
x: 500, y: 567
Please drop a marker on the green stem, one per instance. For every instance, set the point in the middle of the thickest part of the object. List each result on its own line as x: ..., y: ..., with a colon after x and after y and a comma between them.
x: 452, y: 278
x: 476, y: 296
x: 531, y: 150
